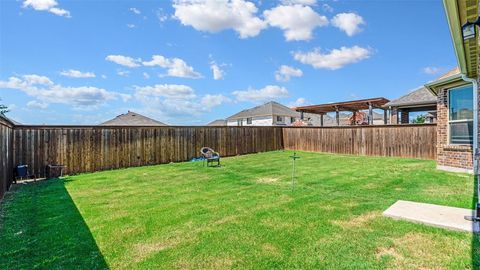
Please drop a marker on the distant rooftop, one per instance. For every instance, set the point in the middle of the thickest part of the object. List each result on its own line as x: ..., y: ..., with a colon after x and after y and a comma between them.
x: 267, y: 109
x: 132, y: 119
x: 419, y: 96
x: 451, y: 72
x: 217, y: 123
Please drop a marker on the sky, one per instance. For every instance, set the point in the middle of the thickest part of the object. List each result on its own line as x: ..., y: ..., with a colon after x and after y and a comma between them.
x: 189, y: 62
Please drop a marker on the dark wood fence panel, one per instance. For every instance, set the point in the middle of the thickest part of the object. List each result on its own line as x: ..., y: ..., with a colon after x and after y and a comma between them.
x: 413, y: 141
x: 88, y: 149
x: 6, y: 155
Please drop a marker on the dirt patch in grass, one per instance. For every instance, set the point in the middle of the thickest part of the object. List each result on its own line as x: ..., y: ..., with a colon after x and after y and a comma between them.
x: 358, y: 221
x: 270, y: 250
x: 422, y: 251
x: 205, y: 263
x: 445, y: 191
x: 267, y: 180
x: 143, y: 250
x: 227, y: 219
x: 387, y: 252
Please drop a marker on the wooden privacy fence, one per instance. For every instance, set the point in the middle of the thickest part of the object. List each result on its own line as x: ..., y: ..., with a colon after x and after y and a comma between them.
x: 96, y: 148
x: 413, y: 141
x: 6, y: 155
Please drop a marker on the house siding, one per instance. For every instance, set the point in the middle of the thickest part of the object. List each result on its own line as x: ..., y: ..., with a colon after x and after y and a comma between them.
x: 262, y: 121
x: 256, y: 121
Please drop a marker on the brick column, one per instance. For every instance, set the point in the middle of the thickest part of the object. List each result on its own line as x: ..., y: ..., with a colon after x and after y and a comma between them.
x: 393, y: 116
x: 404, y: 117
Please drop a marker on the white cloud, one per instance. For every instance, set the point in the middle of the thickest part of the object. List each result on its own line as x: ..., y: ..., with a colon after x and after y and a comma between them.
x: 34, y: 79
x: 335, y: 59
x: 170, y: 91
x: 131, y: 25
x: 176, y: 67
x: 77, y: 74
x: 218, y: 73
x: 327, y: 8
x: 42, y: 88
x: 301, y: 2
x: 135, y: 10
x: 173, y: 100
x: 104, y: 76
x: 268, y: 93
x: 123, y: 73
x: 348, y: 22
x: 146, y: 75
x: 46, y: 5
x: 161, y: 16
x: 124, y: 60
x: 431, y: 70
x: 215, y: 16
x: 210, y: 101
x: 36, y: 105
x: 284, y: 73
x: 298, y: 102
x: 297, y: 21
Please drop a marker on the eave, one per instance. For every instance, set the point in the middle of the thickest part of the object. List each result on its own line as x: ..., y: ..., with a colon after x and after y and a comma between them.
x: 458, y: 13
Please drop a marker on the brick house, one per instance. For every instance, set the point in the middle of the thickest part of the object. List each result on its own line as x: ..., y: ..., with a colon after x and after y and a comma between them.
x: 457, y: 93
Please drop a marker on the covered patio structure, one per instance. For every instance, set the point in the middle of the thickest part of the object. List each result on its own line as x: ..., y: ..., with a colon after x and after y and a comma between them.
x: 353, y: 106
x: 419, y: 100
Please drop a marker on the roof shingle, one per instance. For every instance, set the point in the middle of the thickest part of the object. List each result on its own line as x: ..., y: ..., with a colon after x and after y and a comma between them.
x: 132, y: 119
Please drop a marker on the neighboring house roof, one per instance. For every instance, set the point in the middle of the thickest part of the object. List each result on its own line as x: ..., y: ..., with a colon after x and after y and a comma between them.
x: 419, y: 96
x: 451, y: 72
x: 11, y: 121
x: 452, y: 76
x: 218, y: 122
x: 132, y: 119
x: 267, y: 109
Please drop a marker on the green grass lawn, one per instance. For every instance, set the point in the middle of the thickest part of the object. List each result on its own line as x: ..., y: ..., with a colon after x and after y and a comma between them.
x: 242, y: 215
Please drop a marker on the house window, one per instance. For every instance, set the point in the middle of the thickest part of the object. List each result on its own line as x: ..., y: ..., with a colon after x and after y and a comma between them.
x: 292, y: 119
x: 240, y: 122
x: 249, y: 121
x: 279, y: 119
x: 460, y: 115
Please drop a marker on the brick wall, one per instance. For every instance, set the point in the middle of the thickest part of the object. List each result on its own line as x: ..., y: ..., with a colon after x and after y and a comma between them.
x: 458, y: 156
x: 393, y: 116
x: 404, y: 117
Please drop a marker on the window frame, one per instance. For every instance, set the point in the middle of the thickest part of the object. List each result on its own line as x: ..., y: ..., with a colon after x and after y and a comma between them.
x: 240, y: 122
x: 282, y: 119
x: 457, y: 121
x: 249, y: 120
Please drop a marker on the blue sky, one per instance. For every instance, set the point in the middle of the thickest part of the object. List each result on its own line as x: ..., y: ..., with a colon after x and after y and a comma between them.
x: 190, y: 62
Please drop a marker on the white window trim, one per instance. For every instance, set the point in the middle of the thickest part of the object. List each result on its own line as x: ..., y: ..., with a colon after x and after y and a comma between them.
x: 449, y: 141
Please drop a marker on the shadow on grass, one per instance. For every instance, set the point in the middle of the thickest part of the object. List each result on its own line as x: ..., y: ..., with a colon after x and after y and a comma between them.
x: 40, y: 227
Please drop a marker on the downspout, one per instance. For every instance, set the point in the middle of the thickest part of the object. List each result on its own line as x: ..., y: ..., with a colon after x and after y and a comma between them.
x: 475, y: 139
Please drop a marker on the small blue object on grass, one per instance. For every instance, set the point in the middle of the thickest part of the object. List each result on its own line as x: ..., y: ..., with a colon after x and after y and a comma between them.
x: 197, y: 159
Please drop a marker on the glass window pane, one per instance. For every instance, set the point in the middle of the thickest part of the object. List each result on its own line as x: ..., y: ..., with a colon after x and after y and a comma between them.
x: 461, y: 132
x: 461, y: 103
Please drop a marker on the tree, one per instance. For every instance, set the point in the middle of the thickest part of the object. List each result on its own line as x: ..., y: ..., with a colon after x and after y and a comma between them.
x: 420, y: 119
x: 3, y: 109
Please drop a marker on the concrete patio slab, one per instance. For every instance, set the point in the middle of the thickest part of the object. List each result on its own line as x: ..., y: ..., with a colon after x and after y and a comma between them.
x: 435, y: 215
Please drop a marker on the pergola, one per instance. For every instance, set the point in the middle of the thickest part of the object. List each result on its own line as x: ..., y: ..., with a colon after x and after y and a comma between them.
x: 351, y: 106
